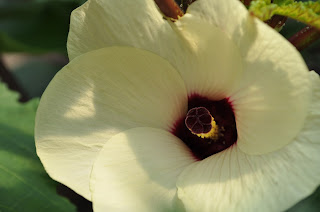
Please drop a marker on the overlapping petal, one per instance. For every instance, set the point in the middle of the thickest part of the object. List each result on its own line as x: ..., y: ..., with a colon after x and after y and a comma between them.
x: 137, y: 171
x: 103, y: 23
x: 274, y: 82
x: 97, y: 95
x: 236, y: 56
x: 235, y: 181
x: 216, y: 50
x: 96, y: 25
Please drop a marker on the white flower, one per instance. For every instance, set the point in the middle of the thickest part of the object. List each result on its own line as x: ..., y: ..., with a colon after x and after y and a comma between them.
x: 108, y: 124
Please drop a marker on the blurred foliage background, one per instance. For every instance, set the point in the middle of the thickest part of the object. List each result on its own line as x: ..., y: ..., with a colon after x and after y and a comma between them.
x: 33, y: 36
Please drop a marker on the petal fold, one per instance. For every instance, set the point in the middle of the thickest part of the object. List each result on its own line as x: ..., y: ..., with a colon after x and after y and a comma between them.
x: 137, y: 171
x: 96, y: 96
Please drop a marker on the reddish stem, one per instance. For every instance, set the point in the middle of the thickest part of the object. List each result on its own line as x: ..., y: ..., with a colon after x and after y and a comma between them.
x: 185, y: 4
x: 169, y: 8
x: 276, y: 21
x: 246, y: 2
x: 305, y: 37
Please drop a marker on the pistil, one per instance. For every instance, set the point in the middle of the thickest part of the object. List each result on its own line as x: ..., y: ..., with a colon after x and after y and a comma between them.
x: 209, y: 126
x: 201, y: 123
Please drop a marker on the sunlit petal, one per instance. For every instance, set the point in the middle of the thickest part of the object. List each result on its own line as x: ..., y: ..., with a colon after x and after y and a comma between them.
x: 96, y: 96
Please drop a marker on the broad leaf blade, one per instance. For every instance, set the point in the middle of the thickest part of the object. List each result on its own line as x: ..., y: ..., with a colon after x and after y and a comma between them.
x: 310, y: 204
x: 35, y: 26
x: 24, y: 185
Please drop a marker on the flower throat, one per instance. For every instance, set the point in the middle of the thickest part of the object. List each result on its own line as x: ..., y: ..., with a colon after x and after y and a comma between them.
x: 209, y: 126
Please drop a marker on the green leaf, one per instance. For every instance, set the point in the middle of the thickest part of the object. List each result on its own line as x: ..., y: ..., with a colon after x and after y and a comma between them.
x: 35, y: 26
x: 306, y: 12
x: 283, y: 2
x: 24, y: 185
x: 310, y: 204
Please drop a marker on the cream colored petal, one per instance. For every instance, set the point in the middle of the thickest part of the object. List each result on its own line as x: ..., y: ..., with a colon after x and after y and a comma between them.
x: 188, y: 44
x: 214, y: 65
x: 102, y: 23
x: 231, y: 17
x: 137, y: 171
x: 270, y: 101
x: 96, y: 96
x: 234, y: 181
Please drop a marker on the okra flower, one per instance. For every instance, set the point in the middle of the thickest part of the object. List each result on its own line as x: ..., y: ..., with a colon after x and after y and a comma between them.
x: 214, y: 112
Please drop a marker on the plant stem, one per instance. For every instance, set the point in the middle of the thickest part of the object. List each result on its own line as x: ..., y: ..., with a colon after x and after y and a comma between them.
x: 184, y: 4
x: 7, y: 78
x: 305, y: 37
x: 170, y: 9
x: 277, y: 22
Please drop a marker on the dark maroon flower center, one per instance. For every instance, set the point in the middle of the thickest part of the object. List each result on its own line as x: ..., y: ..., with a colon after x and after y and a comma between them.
x: 198, y: 120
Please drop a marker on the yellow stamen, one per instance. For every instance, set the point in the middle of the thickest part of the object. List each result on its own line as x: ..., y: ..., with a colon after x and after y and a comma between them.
x: 212, y: 134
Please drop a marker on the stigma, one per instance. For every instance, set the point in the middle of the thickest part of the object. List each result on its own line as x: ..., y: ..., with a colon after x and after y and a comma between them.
x: 201, y: 123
